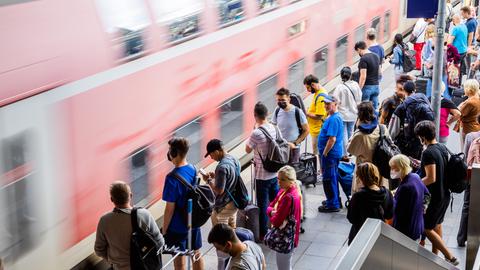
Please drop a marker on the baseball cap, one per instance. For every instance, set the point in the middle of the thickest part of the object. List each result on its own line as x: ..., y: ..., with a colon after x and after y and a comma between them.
x: 212, y: 145
x: 330, y: 99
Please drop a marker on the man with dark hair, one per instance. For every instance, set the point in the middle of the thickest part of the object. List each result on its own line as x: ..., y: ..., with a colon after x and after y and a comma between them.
x: 432, y: 170
x: 391, y: 103
x: 112, y: 241
x: 316, y: 113
x: 369, y: 67
x: 265, y: 182
x: 471, y: 24
x: 175, y: 195
x: 222, y: 181
x: 375, y: 47
x: 244, y: 255
x: 292, y: 123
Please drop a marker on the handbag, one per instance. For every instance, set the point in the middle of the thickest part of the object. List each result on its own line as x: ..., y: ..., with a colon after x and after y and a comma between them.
x: 282, y: 239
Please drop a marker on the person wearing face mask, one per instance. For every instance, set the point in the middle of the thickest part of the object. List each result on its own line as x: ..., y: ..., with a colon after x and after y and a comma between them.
x: 409, y: 199
x: 175, y: 195
x: 433, y: 170
x: 245, y: 255
x: 292, y: 123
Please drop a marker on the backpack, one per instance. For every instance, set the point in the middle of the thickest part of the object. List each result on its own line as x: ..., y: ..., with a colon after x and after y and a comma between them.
x: 144, y: 249
x: 297, y: 118
x: 203, y: 200
x: 456, y: 172
x: 384, y: 151
x: 278, y: 151
x: 453, y: 73
x: 238, y: 192
x: 297, y: 100
x: 409, y: 60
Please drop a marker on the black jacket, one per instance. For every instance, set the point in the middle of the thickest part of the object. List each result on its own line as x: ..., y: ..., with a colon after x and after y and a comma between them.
x: 368, y: 203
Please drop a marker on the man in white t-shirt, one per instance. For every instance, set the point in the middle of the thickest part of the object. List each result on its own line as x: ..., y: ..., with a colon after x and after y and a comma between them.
x: 418, y: 39
x: 244, y: 255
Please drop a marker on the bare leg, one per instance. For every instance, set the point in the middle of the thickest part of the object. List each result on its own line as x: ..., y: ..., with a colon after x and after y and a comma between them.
x: 438, y: 230
x: 179, y: 263
x: 198, y: 264
x: 438, y: 244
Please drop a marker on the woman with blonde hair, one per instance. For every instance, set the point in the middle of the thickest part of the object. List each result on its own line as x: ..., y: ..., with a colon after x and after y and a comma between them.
x: 286, y: 204
x: 427, y: 51
x: 410, y: 198
x: 469, y: 109
x: 371, y: 201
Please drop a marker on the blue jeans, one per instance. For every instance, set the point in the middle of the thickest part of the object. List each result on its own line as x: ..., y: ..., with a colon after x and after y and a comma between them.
x: 266, y: 191
x: 370, y: 93
x: 446, y: 93
x: 347, y: 133
x: 330, y: 180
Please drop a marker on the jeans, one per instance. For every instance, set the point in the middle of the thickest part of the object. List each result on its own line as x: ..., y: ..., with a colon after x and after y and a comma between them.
x: 284, y: 261
x: 445, y: 93
x: 398, y: 71
x: 370, y: 93
x: 266, y: 191
x: 347, y: 133
x: 330, y: 180
x: 463, y: 229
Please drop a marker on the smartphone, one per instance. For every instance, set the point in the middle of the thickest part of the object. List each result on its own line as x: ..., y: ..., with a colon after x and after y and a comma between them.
x: 202, y: 172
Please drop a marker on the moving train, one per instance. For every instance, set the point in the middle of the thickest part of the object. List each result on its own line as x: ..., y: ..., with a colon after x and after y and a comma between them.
x: 92, y: 90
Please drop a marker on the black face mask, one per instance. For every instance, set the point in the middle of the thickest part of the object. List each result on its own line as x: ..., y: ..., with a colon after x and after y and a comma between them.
x: 312, y: 90
x: 169, y: 157
x: 282, y: 104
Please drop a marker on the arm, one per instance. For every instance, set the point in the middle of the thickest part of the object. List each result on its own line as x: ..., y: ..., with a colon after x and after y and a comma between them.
x: 282, y: 212
x: 455, y: 116
x: 331, y: 141
x: 430, y: 171
x: 100, y: 242
x: 451, y: 38
x: 470, y: 39
x: 152, y: 227
x: 218, y: 186
x: 305, y: 131
x: 248, y: 149
x: 167, y: 216
x: 363, y: 77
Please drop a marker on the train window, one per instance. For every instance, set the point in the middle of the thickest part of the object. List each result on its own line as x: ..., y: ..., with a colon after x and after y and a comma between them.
x: 232, y: 121
x: 182, y: 17
x: 386, y: 27
x: 192, y: 131
x: 296, y: 73
x: 376, y: 25
x: 360, y: 33
x: 230, y: 11
x: 126, y: 21
x: 341, y: 51
x: 19, y: 218
x: 266, y: 5
x: 139, y: 175
x: 266, y: 90
x: 321, y: 63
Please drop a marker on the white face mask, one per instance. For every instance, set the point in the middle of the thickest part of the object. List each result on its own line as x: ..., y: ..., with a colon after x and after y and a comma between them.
x: 395, y: 174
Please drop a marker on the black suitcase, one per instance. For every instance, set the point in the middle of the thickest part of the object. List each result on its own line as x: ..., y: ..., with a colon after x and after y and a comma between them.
x: 307, y: 169
x: 249, y: 217
x: 458, y: 95
x: 421, y: 85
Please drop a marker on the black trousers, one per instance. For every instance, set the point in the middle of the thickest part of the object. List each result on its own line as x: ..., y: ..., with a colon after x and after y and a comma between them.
x: 463, y: 229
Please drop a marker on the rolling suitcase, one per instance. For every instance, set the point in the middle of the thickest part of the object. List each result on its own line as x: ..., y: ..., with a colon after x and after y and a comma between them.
x: 249, y: 217
x: 421, y: 85
x: 307, y: 169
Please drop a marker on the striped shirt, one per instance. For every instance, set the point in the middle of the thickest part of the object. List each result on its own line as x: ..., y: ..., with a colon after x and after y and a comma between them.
x: 258, y: 142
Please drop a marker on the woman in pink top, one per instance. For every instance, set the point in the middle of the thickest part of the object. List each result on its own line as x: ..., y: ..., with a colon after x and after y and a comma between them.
x: 447, y: 108
x: 281, y: 208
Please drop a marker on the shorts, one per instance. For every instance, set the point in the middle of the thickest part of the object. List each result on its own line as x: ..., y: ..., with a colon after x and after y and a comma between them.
x: 314, y: 144
x: 435, y: 213
x: 180, y: 239
x: 228, y: 215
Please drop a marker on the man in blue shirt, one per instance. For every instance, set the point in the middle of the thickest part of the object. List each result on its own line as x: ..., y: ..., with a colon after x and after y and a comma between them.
x: 471, y: 24
x: 459, y: 39
x: 330, y: 146
x: 175, y: 195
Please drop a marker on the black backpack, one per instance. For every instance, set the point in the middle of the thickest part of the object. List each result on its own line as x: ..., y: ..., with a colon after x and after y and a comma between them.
x: 409, y: 60
x: 278, y: 151
x: 297, y: 118
x: 456, y: 172
x: 144, y: 249
x: 384, y: 151
x: 203, y: 200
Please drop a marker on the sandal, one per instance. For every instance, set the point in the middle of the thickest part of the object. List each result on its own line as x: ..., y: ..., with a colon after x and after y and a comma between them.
x: 453, y: 261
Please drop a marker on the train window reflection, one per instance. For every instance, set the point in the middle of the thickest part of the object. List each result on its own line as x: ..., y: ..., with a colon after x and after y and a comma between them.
x: 321, y: 63
x: 266, y: 90
x: 376, y: 25
x: 193, y: 133
x: 296, y: 73
x: 139, y: 176
x: 232, y: 121
x: 386, y: 27
x: 182, y: 17
x: 341, y: 51
x: 126, y: 21
x: 360, y: 33
x: 19, y: 221
x: 230, y: 11
x: 265, y: 5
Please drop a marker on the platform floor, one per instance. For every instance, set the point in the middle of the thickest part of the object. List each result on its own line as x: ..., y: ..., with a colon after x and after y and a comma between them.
x: 325, y: 239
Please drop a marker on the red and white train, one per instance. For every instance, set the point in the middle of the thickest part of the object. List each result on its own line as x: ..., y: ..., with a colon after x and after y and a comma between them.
x: 91, y: 91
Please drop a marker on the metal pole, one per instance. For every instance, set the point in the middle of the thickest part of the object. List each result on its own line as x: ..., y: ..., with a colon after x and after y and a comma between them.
x: 189, y: 239
x: 438, y: 66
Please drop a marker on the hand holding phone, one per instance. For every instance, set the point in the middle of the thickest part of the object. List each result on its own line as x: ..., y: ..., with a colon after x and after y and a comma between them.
x: 203, y: 172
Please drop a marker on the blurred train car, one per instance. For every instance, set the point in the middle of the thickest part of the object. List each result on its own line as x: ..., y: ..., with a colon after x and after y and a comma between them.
x: 92, y: 90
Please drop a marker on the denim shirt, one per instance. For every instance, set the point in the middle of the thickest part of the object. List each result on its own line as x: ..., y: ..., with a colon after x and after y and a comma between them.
x: 397, y: 59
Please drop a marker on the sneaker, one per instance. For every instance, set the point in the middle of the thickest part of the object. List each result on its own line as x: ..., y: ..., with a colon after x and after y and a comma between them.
x: 324, y: 203
x: 324, y: 209
x: 460, y: 243
x: 453, y: 261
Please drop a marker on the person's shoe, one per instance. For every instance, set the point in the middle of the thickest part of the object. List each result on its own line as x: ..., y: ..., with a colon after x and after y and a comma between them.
x: 461, y: 243
x: 324, y: 209
x: 453, y: 261
x: 324, y: 203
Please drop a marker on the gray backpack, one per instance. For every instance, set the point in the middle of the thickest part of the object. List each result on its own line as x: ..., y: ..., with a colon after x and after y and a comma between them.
x: 278, y: 151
